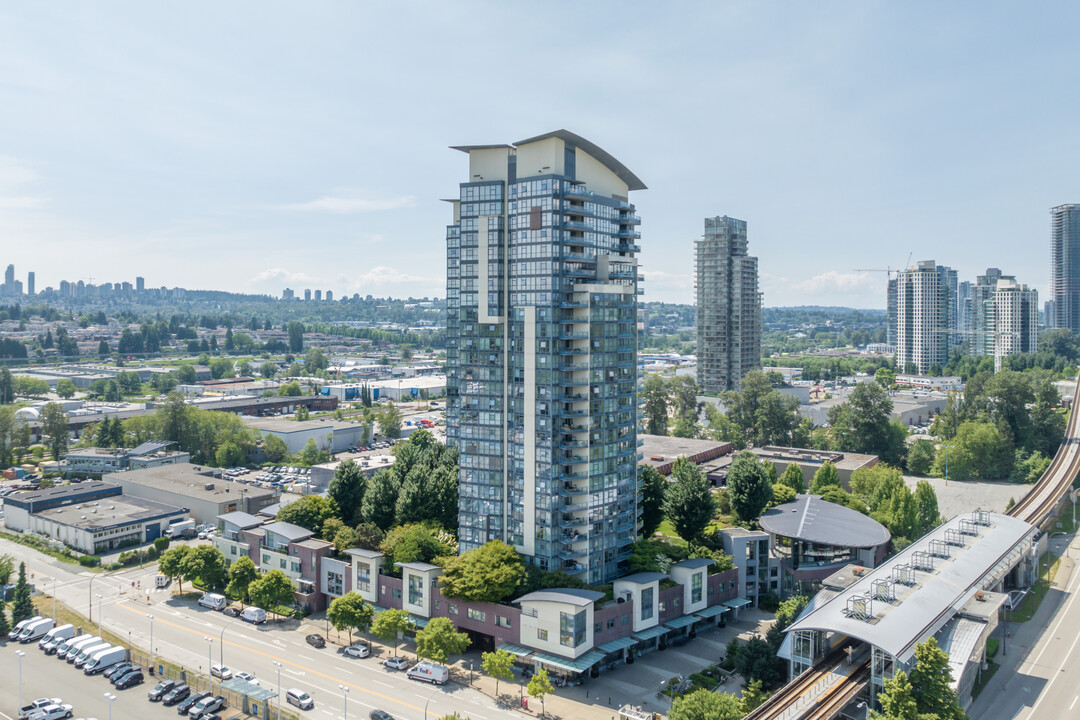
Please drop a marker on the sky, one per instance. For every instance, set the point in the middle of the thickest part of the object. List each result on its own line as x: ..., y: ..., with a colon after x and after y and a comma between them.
x: 252, y: 146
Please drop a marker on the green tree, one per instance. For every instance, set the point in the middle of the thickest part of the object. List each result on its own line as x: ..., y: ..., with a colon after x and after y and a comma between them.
x: 930, y: 680
x: 781, y: 494
x: 241, y: 574
x: 499, y: 665
x: 161, y: 544
x: 173, y: 562
x: 22, y: 607
x: 309, y: 512
x: 752, y: 697
x: 344, y: 539
x: 103, y: 349
x: 208, y: 564
x: 489, y: 573
x: 351, y: 612
x: 926, y: 507
x: 5, y: 626
x: 862, y: 424
x: 390, y: 625
x: 268, y: 369
x: 897, y: 698
x: 789, y: 610
x: 275, y: 449
x: 825, y: 476
x: 414, y: 543
x: 272, y: 590
x: 689, y: 502
x: 920, y: 457
x: 296, y: 336
x: 390, y: 421
x: 793, y: 478
x: 885, y: 377
x: 654, y: 400
x: 540, y: 687
x: 704, y: 705
x: 756, y: 660
x: 8, y: 431
x: 380, y: 499
x: 438, y: 640
x: 7, y: 569
x: 54, y: 426
x: 7, y: 387
x: 65, y: 388
x: 185, y: 374
x: 764, y: 415
x: 750, y: 487
x: 347, y: 489
x: 653, y: 487
x: 290, y: 389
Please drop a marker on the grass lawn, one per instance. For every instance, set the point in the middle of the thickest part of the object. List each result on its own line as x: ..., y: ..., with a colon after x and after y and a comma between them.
x: 984, y: 678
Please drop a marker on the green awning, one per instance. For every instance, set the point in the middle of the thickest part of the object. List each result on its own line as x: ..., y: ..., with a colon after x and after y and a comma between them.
x: 516, y: 650
x: 681, y: 622
x: 617, y: 645
x: 711, y: 611
x: 575, y: 665
x: 654, y: 632
x: 737, y: 603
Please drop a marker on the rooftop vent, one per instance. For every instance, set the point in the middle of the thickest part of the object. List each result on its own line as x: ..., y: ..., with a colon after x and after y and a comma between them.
x: 938, y: 548
x: 860, y: 607
x: 208, y: 486
x: 954, y: 537
x: 903, y: 574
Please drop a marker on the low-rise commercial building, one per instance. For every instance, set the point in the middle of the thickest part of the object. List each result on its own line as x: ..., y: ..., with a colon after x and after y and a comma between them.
x: 329, y: 435
x: 193, y: 487
x: 96, y: 461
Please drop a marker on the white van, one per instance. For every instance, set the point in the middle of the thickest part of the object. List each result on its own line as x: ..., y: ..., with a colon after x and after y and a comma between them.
x: 72, y: 645
x: 57, y: 634
x: 105, y: 659
x: 20, y: 626
x: 429, y: 672
x: 35, y: 631
x: 214, y: 601
x: 85, y: 652
x: 254, y: 615
x: 57, y: 643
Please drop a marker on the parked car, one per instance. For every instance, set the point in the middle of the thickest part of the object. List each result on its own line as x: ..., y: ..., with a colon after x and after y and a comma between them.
x: 396, y: 663
x: 177, y: 694
x: 299, y: 698
x: 231, y: 611
x: 315, y: 640
x: 221, y: 672
x: 160, y: 690
x: 37, y: 705
x: 380, y: 715
x: 51, y: 712
x: 206, y: 706
x: 358, y: 651
x: 185, y: 705
x: 130, y: 679
x: 250, y: 677
x: 118, y: 669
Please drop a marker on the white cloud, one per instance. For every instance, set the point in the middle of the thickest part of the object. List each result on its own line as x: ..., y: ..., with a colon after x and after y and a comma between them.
x: 673, y: 287
x: 383, y: 276
x: 833, y: 282
x: 352, y: 202
x: 13, y: 176
x: 21, y: 202
x: 275, y: 278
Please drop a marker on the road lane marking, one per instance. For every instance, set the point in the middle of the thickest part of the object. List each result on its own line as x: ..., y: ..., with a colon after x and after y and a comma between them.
x: 286, y: 661
x: 1046, y: 646
x: 1073, y: 703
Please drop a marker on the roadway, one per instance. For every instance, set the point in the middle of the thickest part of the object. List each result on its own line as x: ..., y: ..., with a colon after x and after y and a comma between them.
x: 180, y: 630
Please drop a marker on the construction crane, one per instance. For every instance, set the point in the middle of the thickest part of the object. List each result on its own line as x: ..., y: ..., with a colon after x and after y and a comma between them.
x: 889, y: 270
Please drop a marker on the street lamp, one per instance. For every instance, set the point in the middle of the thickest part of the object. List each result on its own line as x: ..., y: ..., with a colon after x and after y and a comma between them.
x: 151, y: 643
x: 221, y: 640
x: 209, y: 662
x: 278, y: 689
x: 946, y: 464
x: 99, y: 614
x: 111, y: 698
x: 53, y: 602
x: 20, y: 654
x: 345, y: 691
x: 429, y: 701
x: 90, y: 597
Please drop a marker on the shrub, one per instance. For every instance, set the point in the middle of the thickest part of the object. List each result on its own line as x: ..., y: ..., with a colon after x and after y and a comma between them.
x: 114, y: 566
x: 90, y: 561
x: 769, y: 602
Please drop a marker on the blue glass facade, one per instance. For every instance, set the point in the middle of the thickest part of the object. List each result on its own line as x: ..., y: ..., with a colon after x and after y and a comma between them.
x: 542, y: 286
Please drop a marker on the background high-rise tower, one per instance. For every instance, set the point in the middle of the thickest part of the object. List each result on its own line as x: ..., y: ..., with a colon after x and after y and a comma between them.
x: 728, y: 306
x: 925, y: 300
x: 1064, y: 306
x: 541, y: 361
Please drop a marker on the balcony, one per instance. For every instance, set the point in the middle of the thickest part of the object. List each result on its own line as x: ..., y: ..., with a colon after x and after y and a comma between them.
x: 572, y: 554
x: 577, y: 226
x: 578, y: 210
x: 571, y: 335
x: 570, y: 413
x: 628, y: 233
x: 573, y: 367
x: 577, y: 193
x: 574, y: 507
x: 568, y: 443
x: 573, y: 351
x: 567, y: 521
x: 630, y: 219
x: 628, y: 247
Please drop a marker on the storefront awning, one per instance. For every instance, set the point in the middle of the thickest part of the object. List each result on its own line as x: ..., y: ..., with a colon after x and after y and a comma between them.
x: 576, y: 665
x: 681, y: 622
x: 711, y: 612
x: 654, y: 632
x: 737, y: 603
x: 515, y: 650
x: 617, y: 645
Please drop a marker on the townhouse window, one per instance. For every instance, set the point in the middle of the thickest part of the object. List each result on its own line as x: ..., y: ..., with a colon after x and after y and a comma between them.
x: 611, y: 622
x: 695, y: 588
x: 416, y: 590
x: 395, y: 593
x: 502, y: 621
x: 647, y: 604
x: 282, y: 561
x: 596, y: 628
x: 477, y: 615
x: 452, y: 608
x: 541, y: 634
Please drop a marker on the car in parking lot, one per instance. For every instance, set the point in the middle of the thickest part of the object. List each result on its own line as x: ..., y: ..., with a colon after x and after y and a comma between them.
x: 176, y: 695
x: 221, y: 672
x: 396, y: 663
x: 206, y: 706
x: 357, y: 651
x: 299, y: 698
x: 36, y: 705
x: 250, y: 677
x: 118, y: 669
x: 130, y: 679
x: 315, y: 640
x: 51, y: 712
x: 183, y: 707
x: 159, y: 690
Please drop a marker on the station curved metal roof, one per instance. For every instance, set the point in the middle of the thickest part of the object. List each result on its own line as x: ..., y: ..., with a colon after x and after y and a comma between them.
x: 811, y: 519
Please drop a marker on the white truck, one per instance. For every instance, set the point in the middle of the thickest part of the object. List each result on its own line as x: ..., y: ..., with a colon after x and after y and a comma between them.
x: 105, y: 659
x: 183, y: 529
x: 35, y: 631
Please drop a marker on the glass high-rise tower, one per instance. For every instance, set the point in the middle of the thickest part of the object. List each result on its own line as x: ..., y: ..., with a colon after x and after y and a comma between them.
x: 1064, y: 306
x: 542, y: 285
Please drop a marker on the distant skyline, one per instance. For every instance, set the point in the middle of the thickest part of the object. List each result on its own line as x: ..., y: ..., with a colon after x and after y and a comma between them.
x: 254, y: 146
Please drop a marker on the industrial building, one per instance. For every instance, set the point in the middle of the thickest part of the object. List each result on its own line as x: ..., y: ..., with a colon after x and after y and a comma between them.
x: 194, y: 488
x: 329, y: 435
x: 98, y: 461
